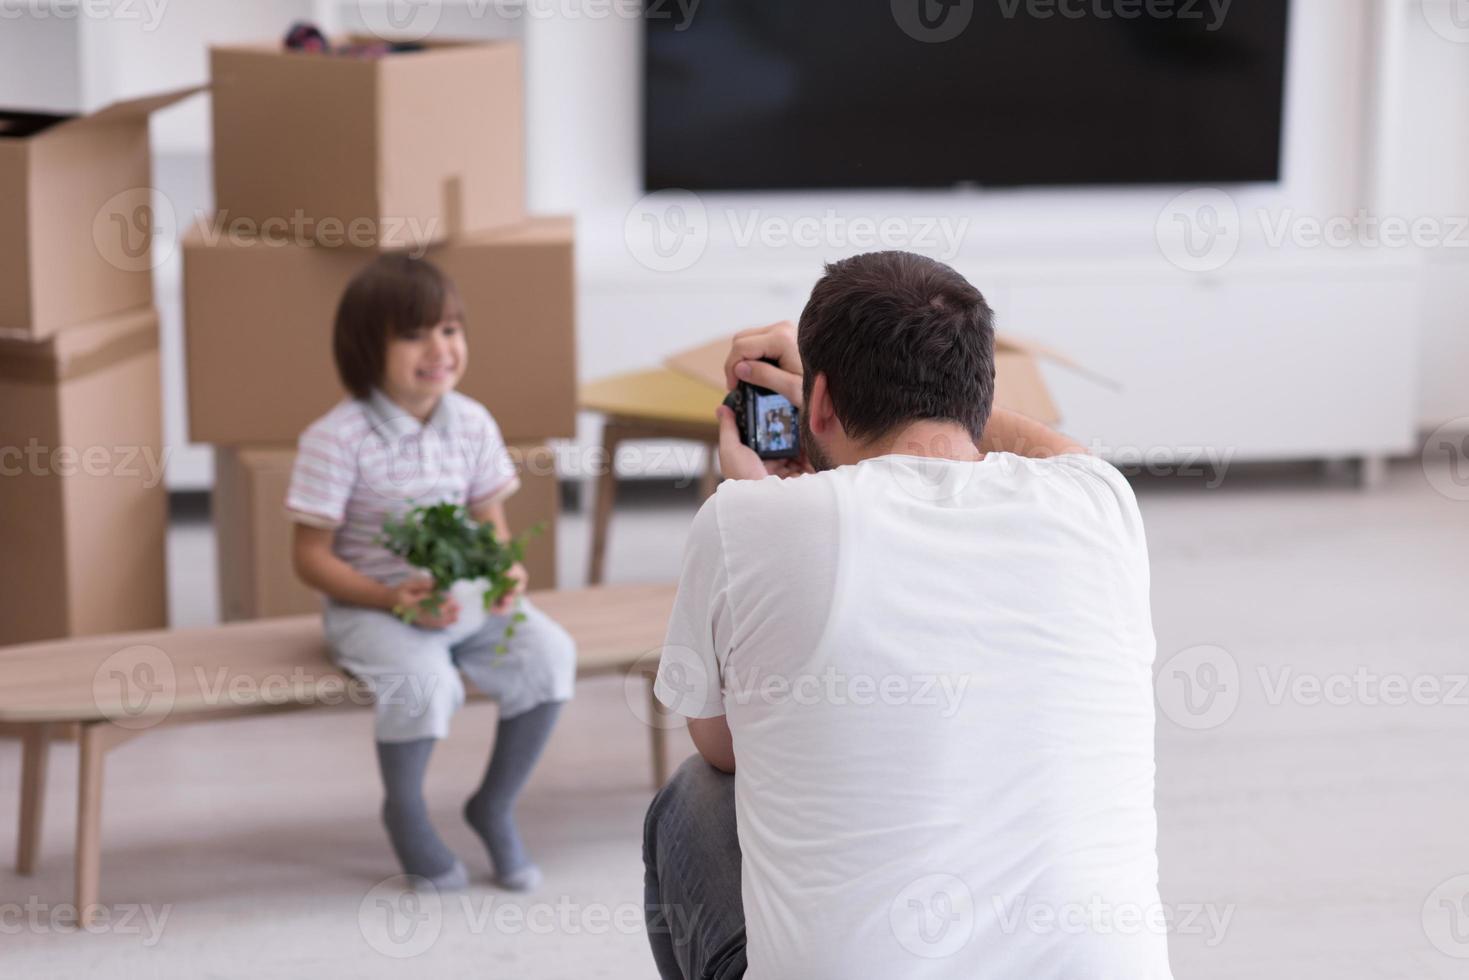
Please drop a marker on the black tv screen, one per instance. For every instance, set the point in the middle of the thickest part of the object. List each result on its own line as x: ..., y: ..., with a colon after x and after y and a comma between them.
x: 806, y: 94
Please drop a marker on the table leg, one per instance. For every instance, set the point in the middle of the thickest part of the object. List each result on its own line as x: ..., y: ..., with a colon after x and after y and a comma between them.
x: 35, y: 748
x: 658, y: 737
x: 612, y: 434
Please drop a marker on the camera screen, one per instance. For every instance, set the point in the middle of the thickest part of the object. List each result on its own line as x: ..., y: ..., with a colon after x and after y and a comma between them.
x: 775, y: 429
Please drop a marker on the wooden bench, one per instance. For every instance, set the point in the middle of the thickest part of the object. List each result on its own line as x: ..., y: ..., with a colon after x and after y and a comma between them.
x: 116, y: 687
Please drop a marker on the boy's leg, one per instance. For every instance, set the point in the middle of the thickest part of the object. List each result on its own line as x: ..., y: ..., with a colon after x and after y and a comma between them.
x: 490, y: 811
x: 416, y: 690
x: 418, y: 846
x: 538, y: 665
x: 691, y: 880
x: 530, y: 680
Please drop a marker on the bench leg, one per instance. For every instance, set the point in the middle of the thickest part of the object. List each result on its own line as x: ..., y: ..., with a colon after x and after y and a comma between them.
x: 35, y: 749
x: 89, y: 819
x: 95, y: 740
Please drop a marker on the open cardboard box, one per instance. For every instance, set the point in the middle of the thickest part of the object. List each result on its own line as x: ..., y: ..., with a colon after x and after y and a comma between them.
x: 258, y: 320
x: 83, y: 506
x: 256, y: 577
x: 1019, y: 386
x: 75, y: 219
x: 396, y: 151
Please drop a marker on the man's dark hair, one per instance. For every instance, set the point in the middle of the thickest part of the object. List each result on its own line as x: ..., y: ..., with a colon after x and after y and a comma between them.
x: 392, y: 297
x: 901, y: 338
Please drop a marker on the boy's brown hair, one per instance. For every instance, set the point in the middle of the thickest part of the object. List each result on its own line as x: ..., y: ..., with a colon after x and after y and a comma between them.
x: 393, y: 297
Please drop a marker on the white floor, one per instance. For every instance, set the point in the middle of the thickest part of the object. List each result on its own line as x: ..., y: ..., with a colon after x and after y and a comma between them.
x: 1318, y: 831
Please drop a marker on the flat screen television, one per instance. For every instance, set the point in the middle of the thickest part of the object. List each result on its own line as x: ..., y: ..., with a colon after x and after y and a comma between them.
x: 808, y: 94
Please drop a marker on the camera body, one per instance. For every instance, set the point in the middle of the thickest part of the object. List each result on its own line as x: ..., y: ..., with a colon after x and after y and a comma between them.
x: 767, y: 421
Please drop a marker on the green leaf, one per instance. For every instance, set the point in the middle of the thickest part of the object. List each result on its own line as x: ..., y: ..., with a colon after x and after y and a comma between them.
x: 443, y: 540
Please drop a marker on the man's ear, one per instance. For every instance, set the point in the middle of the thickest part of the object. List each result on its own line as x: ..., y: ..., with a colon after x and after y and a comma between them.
x: 820, y: 415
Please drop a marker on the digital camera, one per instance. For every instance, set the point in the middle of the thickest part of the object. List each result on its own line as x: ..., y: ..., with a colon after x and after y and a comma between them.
x: 767, y: 421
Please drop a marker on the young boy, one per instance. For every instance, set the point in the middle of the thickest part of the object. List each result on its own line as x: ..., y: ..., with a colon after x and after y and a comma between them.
x: 405, y: 438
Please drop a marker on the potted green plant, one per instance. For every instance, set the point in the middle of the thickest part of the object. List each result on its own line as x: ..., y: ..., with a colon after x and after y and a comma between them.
x: 443, y: 540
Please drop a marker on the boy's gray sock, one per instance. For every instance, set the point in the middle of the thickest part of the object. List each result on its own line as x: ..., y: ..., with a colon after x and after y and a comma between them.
x: 518, y: 744
x: 405, y: 813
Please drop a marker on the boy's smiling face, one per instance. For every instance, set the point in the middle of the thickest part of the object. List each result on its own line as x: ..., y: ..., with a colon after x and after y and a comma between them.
x: 426, y: 364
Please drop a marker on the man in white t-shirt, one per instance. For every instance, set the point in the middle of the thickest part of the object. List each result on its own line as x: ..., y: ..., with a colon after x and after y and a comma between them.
x: 916, y: 664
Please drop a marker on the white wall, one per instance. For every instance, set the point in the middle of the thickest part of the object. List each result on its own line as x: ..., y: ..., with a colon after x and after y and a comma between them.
x: 1377, y: 116
x: 1421, y: 168
x: 584, y: 104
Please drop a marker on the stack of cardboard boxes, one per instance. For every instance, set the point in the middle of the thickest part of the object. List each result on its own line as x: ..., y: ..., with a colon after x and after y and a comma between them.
x: 321, y: 162
x: 83, y: 506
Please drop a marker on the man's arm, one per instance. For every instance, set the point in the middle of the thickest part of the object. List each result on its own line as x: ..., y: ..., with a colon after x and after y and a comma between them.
x: 1011, y: 432
x: 713, y: 740
x: 700, y: 628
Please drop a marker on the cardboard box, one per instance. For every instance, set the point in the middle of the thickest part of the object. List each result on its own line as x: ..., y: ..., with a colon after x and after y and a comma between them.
x: 258, y: 324
x: 400, y: 150
x: 253, y: 530
x: 1019, y: 386
x: 83, y: 506
x: 75, y: 216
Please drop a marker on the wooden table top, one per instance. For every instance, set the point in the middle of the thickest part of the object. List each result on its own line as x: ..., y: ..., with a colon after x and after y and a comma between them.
x: 139, y: 678
x: 657, y: 394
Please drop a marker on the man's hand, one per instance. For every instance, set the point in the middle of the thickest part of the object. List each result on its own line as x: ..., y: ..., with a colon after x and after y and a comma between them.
x: 517, y: 572
x: 746, y: 360
x: 1011, y: 432
x: 411, y: 594
x: 738, y: 461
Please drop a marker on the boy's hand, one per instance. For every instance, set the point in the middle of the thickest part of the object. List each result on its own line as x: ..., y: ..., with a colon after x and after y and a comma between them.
x: 413, y: 593
x: 521, y: 577
x: 746, y: 360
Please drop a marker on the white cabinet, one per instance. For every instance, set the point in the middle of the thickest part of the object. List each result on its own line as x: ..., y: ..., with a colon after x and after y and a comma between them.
x: 1320, y: 364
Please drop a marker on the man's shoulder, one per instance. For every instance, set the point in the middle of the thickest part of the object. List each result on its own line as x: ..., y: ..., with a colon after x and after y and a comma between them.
x: 751, y: 517
x: 776, y: 495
